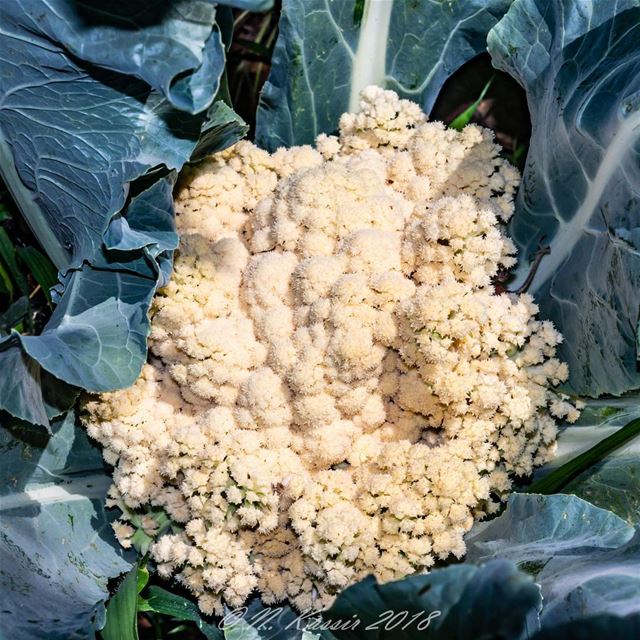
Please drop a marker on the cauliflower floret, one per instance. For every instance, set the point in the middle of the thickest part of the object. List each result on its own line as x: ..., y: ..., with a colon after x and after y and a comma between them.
x: 335, y: 388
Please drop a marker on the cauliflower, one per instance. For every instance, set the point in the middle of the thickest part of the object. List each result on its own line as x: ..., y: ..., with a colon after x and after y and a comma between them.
x: 335, y: 389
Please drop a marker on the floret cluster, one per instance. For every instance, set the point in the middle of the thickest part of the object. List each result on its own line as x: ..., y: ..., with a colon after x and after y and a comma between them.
x: 335, y: 388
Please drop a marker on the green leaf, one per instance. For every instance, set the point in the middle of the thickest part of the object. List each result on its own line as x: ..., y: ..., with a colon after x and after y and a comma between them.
x: 463, y: 119
x: 593, y: 628
x: 8, y: 256
x: 41, y: 268
x: 57, y: 549
x: 557, y: 479
x: 91, y: 163
x: 578, y: 61
x: 122, y: 610
x: 327, y: 52
x: 143, y: 577
x: 167, y: 603
x: 585, y: 559
x: 4, y: 212
x: 614, y: 482
x: 455, y: 603
x: 14, y: 315
x: 6, y: 283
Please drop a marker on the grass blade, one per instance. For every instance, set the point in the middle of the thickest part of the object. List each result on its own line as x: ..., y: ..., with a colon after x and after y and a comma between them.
x: 555, y: 481
x: 122, y: 610
x: 6, y: 284
x: 14, y: 315
x: 41, y: 268
x: 8, y: 257
x: 463, y: 119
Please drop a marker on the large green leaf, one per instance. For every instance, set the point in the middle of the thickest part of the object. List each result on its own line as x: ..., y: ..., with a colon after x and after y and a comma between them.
x: 614, y: 482
x: 579, y: 61
x: 455, y: 603
x: 96, y: 337
x: 57, y: 551
x: 586, y: 559
x: 329, y: 50
x: 606, y: 581
x: 604, y: 626
x: 99, y: 107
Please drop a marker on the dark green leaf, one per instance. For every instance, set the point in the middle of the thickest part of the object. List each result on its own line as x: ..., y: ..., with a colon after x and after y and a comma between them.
x: 122, y: 610
x: 579, y: 62
x: 8, y: 256
x: 14, y: 315
x: 57, y: 550
x: 6, y: 284
x: 455, y: 603
x: 41, y: 268
x: 4, y: 213
x: 327, y: 52
x: 167, y: 603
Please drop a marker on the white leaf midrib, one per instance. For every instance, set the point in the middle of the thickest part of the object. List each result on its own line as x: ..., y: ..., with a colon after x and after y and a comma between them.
x: 84, y: 488
x: 369, y: 61
x: 570, y: 232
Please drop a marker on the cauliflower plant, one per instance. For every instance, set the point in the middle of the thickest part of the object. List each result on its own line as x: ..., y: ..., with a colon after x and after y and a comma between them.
x: 335, y: 387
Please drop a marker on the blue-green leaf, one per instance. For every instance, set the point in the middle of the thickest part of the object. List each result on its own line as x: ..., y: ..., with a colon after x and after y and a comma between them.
x: 603, y: 626
x: 602, y: 581
x: 95, y: 116
x: 327, y: 52
x: 90, y: 132
x: 174, y: 47
x: 222, y: 129
x: 455, y: 603
x: 96, y: 338
x: 586, y: 559
x: 57, y: 551
x: 579, y: 61
x: 614, y: 482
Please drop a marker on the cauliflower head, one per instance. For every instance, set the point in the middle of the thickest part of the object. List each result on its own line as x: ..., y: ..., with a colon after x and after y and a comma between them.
x: 335, y: 388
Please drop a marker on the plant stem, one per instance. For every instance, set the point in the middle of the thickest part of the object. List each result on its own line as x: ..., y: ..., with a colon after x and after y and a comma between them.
x: 560, y: 477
